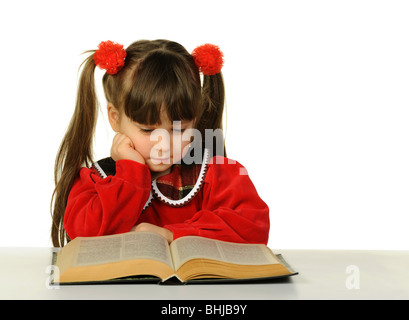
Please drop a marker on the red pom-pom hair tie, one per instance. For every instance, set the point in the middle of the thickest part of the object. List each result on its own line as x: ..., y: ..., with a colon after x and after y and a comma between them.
x: 209, y: 59
x: 110, y: 56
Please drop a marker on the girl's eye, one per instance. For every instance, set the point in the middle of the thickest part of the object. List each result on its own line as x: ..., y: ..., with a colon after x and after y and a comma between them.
x: 178, y: 130
x: 146, y: 130
x: 175, y: 130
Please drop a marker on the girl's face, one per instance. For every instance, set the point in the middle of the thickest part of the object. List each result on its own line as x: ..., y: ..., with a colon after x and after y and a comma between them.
x: 160, y: 145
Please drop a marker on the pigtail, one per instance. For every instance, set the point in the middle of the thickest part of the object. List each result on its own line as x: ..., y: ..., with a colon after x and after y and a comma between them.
x: 209, y: 60
x: 76, y: 148
x: 212, y: 117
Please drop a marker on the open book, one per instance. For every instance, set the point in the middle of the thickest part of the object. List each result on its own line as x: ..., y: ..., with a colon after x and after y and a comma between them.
x: 145, y: 254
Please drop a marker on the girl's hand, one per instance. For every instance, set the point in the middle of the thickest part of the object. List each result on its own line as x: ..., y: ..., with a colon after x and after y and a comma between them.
x: 123, y: 148
x: 144, y: 226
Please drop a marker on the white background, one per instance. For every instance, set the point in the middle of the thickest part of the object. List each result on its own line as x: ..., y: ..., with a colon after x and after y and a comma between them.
x: 317, y: 101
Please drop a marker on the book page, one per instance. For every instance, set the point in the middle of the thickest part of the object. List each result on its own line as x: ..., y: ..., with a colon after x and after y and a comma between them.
x: 191, y: 247
x: 120, y: 247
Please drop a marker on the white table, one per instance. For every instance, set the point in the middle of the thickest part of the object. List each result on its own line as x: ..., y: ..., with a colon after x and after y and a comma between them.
x: 322, y: 275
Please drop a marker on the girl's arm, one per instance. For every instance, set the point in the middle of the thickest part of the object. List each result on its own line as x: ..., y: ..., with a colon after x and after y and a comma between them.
x: 231, y: 208
x: 112, y: 205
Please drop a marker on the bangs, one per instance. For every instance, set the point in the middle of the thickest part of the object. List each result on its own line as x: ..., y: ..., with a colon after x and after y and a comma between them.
x: 163, y: 82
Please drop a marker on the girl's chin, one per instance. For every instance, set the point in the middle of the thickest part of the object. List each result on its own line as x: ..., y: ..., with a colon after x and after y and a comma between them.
x: 159, y: 166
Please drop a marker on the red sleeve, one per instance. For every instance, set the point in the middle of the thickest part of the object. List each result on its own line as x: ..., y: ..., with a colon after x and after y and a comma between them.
x: 231, y: 209
x: 112, y: 205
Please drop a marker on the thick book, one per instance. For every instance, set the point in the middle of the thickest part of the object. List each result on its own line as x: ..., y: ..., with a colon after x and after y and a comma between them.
x: 147, y: 257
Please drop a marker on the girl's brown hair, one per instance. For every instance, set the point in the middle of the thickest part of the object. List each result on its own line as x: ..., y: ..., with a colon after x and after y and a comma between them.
x: 157, y: 74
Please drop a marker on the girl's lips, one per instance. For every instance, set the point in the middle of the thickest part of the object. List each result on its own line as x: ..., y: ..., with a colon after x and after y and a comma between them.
x: 160, y: 160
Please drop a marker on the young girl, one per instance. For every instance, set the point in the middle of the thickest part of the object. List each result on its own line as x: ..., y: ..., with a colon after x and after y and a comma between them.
x: 155, y: 96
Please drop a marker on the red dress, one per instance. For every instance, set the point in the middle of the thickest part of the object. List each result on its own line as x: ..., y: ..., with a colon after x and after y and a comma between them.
x: 215, y: 199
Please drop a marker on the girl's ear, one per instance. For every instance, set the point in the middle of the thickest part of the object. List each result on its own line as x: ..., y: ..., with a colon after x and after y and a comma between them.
x: 113, y: 116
